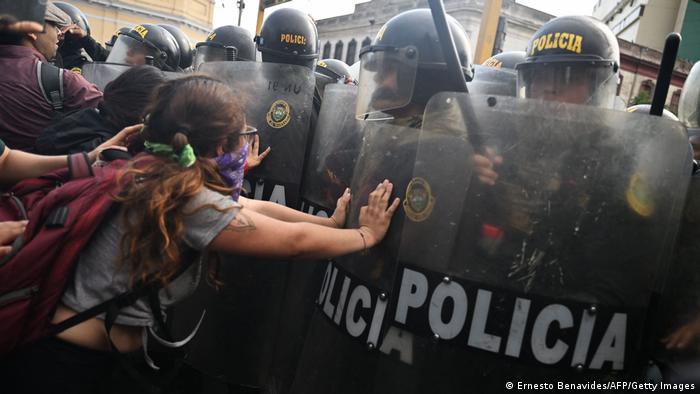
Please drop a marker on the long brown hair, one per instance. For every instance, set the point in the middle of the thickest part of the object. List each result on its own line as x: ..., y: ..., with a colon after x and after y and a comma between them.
x: 196, y: 110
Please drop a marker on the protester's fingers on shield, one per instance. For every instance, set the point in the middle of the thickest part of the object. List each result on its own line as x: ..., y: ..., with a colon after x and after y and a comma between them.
x: 393, y: 207
x: 265, y: 152
x: 387, y: 193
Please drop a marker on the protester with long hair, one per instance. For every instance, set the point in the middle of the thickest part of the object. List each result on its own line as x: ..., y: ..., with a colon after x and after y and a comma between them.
x: 175, y: 205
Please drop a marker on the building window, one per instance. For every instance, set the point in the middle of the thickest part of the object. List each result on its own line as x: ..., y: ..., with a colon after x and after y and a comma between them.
x: 674, y: 101
x: 338, y: 50
x: 352, y: 48
x: 326, y: 50
x: 646, y: 91
x: 366, y: 42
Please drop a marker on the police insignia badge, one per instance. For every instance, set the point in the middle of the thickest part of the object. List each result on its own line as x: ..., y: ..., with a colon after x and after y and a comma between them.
x: 419, y: 201
x: 279, y: 114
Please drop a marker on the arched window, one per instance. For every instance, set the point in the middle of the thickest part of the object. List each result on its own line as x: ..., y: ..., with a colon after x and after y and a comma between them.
x: 646, y: 88
x: 338, y: 50
x: 366, y: 42
x: 326, y: 50
x: 674, y: 101
x: 352, y: 48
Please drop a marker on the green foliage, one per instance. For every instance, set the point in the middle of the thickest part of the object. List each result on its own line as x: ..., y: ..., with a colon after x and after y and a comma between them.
x: 642, y: 98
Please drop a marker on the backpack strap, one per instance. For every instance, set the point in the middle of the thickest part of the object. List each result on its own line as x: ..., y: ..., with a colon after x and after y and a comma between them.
x: 50, y: 80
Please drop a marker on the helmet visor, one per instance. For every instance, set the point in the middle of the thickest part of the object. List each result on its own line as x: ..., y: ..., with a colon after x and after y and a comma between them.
x: 128, y: 50
x: 575, y: 83
x: 388, y: 76
x: 210, y: 53
x: 690, y: 100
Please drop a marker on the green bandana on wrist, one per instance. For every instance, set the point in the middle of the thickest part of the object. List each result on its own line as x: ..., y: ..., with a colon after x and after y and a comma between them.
x: 185, y: 158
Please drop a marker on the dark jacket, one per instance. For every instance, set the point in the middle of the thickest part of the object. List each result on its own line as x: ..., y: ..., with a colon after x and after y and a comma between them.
x: 24, y: 111
x: 81, y: 131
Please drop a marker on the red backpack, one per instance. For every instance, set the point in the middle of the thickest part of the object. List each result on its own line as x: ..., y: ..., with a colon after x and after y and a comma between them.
x: 64, y: 209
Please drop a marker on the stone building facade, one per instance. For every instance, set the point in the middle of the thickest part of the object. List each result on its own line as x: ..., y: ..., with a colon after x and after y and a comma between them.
x: 343, y: 36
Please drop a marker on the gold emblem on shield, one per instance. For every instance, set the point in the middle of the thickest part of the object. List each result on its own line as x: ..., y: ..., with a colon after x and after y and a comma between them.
x: 418, y: 203
x: 279, y: 114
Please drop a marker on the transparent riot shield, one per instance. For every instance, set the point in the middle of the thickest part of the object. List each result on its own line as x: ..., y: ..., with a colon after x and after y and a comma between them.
x: 278, y: 102
x: 103, y: 73
x: 333, y: 153
x: 331, y: 159
x: 529, y: 248
x: 236, y: 341
x: 676, y: 318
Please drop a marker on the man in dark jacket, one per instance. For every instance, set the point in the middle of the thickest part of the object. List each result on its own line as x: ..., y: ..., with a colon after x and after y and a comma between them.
x: 24, y: 110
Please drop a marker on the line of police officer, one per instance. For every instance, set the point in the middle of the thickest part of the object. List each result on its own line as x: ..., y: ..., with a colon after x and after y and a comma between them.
x: 537, y: 228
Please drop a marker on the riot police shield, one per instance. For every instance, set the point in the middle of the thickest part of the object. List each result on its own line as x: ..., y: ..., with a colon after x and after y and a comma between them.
x: 102, y: 74
x: 277, y: 100
x: 530, y: 238
x: 333, y: 153
x: 676, y: 319
x: 334, y: 149
x: 236, y: 340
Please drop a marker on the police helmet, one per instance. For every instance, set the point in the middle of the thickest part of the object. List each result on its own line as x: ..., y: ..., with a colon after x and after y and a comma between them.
x: 689, y: 104
x: 236, y: 40
x: 331, y: 71
x: 183, y: 42
x: 505, y: 60
x: 136, y: 46
x: 573, y: 59
x: 77, y: 17
x: 645, y: 109
x: 405, y: 63
x: 289, y: 36
x: 113, y: 39
x: 496, y: 75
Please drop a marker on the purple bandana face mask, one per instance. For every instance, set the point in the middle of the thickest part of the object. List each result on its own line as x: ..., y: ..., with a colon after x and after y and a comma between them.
x: 231, y: 167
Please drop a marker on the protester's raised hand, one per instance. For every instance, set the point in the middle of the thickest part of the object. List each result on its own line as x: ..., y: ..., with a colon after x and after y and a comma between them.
x: 376, y: 215
x: 341, y: 209
x: 254, y: 157
x: 75, y: 30
x: 120, y: 140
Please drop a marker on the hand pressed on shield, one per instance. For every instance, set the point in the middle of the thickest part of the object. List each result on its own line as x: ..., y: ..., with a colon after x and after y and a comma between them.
x: 684, y: 336
x: 254, y: 159
x: 341, y: 209
x: 9, y: 231
x: 376, y: 215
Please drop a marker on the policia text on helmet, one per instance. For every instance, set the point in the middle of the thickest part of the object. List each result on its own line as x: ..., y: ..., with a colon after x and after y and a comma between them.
x: 146, y: 41
x: 405, y: 66
x: 289, y: 36
x: 573, y: 59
